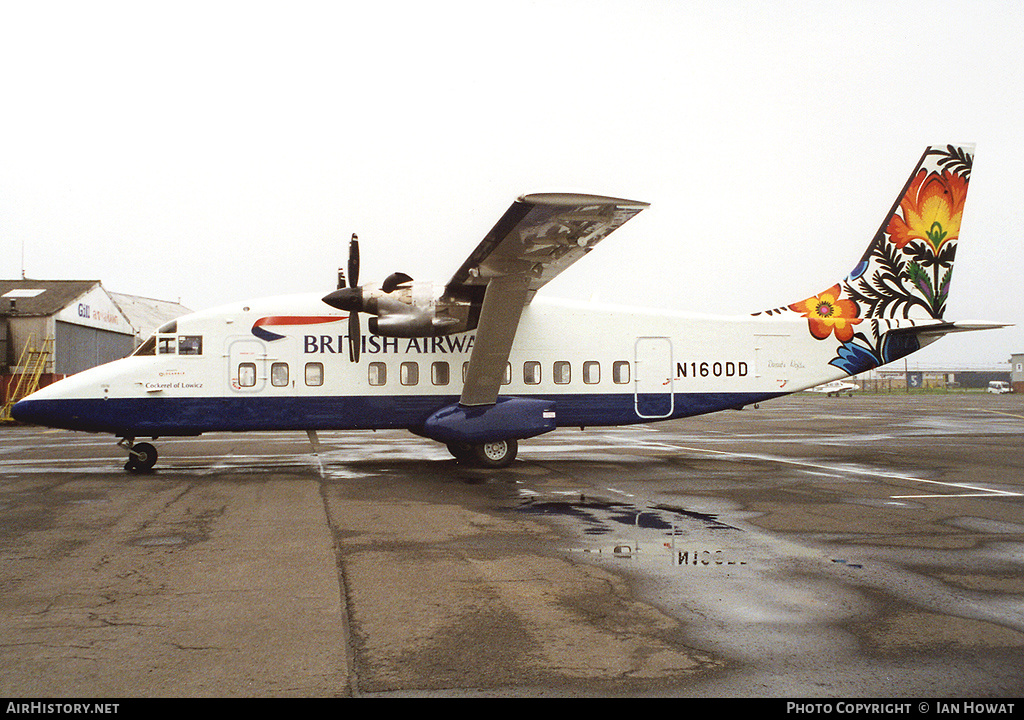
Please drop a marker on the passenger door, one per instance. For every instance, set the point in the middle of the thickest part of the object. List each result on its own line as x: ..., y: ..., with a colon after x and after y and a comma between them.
x: 653, y: 381
x: 247, y: 364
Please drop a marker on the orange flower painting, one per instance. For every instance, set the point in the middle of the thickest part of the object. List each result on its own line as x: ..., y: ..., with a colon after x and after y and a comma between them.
x: 826, y: 313
x: 932, y: 209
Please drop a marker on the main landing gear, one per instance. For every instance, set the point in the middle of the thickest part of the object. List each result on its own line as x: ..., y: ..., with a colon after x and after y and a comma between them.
x: 141, y: 456
x: 497, y: 454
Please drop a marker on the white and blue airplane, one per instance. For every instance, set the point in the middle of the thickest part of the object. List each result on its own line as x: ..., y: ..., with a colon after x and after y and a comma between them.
x: 479, y: 364
x: 835, y: 388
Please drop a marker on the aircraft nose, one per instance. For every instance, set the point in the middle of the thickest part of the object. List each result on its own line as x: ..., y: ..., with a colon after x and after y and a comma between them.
x: 24, y: 411
x: 33, y: 412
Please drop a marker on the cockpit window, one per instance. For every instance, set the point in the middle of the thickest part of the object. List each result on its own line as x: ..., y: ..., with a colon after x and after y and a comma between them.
x: 161, y: 344
x: 190, y: 345
x: 169, y: 328
x: 148, y: 347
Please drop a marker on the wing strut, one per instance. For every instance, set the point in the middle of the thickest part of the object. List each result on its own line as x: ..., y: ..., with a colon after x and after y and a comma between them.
x: 502, y: 307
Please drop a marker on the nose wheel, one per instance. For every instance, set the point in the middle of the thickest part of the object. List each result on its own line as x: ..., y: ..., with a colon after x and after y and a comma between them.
x: 141, y: 456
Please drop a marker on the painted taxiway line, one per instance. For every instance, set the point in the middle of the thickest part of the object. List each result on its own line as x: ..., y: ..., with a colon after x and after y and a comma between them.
x: 871, y: 473
x: 1000, y: 412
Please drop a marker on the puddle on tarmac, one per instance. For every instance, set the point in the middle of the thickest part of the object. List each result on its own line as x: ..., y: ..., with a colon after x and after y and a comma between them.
x: 603, y: 517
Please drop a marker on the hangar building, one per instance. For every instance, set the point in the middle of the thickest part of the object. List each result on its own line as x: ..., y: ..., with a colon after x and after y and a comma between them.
x: 55, y: 328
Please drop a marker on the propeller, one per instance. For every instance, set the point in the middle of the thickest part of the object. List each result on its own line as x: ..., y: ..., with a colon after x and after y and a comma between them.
x: 353, y: 261
x: 349, y: 296
x: 355, y: 332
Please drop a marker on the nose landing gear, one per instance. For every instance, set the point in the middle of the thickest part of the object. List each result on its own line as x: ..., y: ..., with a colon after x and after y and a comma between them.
x: 141, y: 456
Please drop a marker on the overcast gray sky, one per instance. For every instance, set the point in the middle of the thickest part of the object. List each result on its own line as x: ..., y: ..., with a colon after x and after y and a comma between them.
x: 213, y: 151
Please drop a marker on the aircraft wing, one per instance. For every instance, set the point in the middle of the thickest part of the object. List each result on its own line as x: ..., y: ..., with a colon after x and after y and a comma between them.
x: 538, y: 237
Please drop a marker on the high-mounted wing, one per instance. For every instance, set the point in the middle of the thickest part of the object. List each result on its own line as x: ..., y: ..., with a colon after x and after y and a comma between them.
x: 538, y: 237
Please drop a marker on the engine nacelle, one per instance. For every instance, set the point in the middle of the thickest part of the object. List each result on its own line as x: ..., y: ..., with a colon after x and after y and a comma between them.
x: 406, y: 310
x: 413, y: 312
x: 413, y: 324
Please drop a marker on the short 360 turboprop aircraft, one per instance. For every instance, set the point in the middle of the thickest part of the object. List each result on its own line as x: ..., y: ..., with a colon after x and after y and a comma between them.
x: 478, y: 365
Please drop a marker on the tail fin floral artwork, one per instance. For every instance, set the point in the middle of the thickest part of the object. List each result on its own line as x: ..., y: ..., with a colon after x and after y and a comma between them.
x: 903, y: 277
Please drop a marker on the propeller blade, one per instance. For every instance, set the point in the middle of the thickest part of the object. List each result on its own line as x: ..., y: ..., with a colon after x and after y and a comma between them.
x: 353, y: 261
x: 354, y: 336
x: 394, y: 280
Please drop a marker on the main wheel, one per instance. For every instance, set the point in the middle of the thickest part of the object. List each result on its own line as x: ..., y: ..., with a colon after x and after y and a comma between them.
x: 463, y: 452
x: 141, y: 458
x: 496, y: 454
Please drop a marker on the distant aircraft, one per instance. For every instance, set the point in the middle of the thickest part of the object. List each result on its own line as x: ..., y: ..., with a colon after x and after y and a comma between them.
x: 835, y: 388
x: 479, y: 365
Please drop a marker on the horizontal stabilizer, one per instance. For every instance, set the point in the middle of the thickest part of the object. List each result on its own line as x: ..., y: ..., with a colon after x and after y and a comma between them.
x: 962, y: 326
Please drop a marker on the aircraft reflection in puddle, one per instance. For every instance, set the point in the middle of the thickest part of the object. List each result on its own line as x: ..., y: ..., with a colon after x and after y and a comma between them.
x: 675, y: 543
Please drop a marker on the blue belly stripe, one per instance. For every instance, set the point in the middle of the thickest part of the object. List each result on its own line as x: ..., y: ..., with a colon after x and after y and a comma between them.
x: 136, y: 417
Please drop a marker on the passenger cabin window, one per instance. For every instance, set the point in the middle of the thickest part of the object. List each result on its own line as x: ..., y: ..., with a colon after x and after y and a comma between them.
x: 591, y: 372
x: 314, y: 374
x: 247, y: 375
x: 377, y: 373
x: 620, y: 372
x: 279, y: 374
x: 410, y: 373
x: 561, y: 372
x: 439, y: 373
x: 531, y: 372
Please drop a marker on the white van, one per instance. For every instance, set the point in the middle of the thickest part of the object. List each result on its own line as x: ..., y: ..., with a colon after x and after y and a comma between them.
x: 998, y: 387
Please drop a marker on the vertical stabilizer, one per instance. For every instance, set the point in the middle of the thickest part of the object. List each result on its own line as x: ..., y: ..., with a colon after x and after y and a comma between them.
x: 905, y: 271
x: 901, y: 283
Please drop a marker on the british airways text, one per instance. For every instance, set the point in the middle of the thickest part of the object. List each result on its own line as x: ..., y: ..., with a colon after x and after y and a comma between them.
x: 377, y: 344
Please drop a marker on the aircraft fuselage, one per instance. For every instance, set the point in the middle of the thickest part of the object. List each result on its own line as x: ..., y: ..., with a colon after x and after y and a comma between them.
x: 599, y: 365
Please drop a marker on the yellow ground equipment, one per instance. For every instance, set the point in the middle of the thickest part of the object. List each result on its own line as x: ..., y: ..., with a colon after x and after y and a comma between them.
x: 29, y: 371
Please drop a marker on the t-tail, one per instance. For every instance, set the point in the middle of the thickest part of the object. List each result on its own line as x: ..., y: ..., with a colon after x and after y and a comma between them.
x: 893, y: 301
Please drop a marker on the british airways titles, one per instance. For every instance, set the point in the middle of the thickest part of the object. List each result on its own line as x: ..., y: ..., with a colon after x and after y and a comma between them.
x: 463, y: 343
